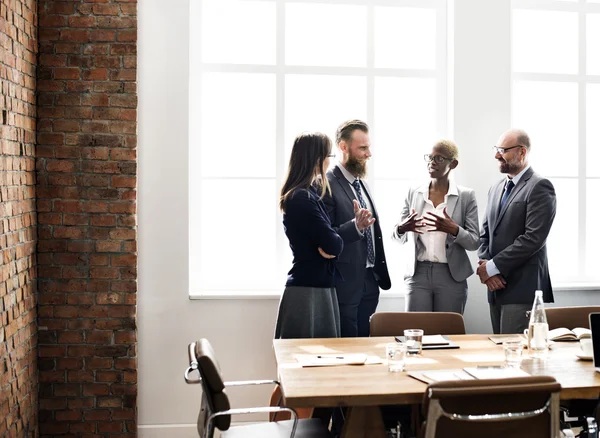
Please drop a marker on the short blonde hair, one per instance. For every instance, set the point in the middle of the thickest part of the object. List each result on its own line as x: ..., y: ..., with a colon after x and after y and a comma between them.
x: 449, y: 147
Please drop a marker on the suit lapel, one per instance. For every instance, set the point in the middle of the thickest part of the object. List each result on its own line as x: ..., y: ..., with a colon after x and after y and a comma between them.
x: 368, y: 193
x: 515, y: 191
x: 451, y: 205
x: 344, y: 183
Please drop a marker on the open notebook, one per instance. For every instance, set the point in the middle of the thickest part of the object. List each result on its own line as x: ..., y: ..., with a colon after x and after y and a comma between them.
x: 564, y: 334
x: 434, y: 342
x: 484, y: 372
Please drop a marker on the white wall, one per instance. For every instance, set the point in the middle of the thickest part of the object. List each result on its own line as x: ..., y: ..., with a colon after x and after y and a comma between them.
x: 241, y: 330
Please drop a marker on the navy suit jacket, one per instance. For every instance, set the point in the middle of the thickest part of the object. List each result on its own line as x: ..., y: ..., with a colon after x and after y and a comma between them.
x: 308, y: 227
x: 352, y: 261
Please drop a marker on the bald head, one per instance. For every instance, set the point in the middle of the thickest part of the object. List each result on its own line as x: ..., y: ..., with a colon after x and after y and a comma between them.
x: 513, y: 151
x: 517, y: 137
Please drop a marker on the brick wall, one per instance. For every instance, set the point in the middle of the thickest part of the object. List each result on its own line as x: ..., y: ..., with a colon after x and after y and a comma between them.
x: 86, y: 204
x: 18, y: 332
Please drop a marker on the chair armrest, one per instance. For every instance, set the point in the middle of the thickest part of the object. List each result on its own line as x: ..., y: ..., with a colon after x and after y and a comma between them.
x: 193, y: 366
x: 258, y: 410
x: 251, y: 382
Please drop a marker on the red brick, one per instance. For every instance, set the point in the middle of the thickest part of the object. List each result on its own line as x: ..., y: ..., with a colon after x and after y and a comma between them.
x: 86, y: 179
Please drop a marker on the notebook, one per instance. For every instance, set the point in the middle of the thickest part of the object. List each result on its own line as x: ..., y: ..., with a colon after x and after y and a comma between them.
x: 434, y: 342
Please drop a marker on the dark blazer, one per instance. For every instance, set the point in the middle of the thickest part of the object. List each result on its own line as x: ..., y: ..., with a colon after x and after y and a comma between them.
x: 308, y: 227
x: 515, y: 238
x: 352, y: 261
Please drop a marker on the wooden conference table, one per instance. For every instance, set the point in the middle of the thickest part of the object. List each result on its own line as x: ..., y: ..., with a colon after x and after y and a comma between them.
x: 362, y: 388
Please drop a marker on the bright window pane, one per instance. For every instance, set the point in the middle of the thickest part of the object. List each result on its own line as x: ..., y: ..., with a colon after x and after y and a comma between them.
x: 593, y: 130
x: 389, y: 196
x: 548, y: 111
x: 322, y: 103
x: 592, y: 238
x: 238, y: 125
x: 225, y: 210
x: 562, y: 242
x: 238, y: 32
x: 593, y: 44
x: 545, y: 41
x: 405, y: 37
x: 326, y: 35
x: 405, y: 119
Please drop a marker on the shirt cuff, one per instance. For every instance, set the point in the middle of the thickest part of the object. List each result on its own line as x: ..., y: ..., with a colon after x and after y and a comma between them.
x: 360, y: 233
x: 491, y: 268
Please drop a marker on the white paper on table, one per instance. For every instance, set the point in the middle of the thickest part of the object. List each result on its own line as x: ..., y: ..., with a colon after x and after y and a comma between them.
x: 496, y: 372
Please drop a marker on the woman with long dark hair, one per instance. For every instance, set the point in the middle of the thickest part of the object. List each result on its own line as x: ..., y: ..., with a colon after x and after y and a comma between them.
x: 309, y: 306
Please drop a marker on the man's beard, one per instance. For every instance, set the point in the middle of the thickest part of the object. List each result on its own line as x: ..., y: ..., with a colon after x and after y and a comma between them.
x: 506, y: 167
x: 356, y: 167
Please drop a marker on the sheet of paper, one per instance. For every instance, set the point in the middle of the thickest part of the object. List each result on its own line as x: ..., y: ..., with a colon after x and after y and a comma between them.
x: 495, y: 372
x: 444, y: 375
x: 327, y: 360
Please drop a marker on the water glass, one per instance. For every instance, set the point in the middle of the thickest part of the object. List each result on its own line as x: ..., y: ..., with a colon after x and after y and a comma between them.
x: 396, y: 356
x: 513, y: 352
x: 413, y: 339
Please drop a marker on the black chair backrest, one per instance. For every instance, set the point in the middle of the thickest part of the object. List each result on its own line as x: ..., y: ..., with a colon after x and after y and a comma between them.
x: 212, y: 383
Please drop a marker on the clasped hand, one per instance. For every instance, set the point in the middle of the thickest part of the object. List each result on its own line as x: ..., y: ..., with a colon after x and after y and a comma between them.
x: 443, y: 223
x: 495, y: 282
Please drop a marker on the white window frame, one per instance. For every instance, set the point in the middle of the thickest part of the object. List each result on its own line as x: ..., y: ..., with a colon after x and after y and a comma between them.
x: 581, y: 79
x: 197, y: 68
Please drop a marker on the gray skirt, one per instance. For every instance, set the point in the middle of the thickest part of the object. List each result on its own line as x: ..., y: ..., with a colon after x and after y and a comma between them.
x: 308, y: 312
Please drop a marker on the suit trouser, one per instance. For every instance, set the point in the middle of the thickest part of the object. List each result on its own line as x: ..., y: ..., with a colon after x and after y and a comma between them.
x: 432, y: 289
x: 509, y: 318
x: 354, y: 315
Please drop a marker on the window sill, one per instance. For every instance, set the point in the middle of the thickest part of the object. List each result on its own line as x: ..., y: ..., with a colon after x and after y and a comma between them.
x: 262, y: 295
x: 569, y: 287
x: 276, y: 294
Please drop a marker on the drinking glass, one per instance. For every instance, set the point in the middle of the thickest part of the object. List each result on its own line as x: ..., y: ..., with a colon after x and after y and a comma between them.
x: 413, y: 338
x: 396, y: 356
x: 513, y: 352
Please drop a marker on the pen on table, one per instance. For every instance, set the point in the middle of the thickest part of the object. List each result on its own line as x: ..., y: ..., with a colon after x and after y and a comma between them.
x: 493, y: 367
x: 330, y: 357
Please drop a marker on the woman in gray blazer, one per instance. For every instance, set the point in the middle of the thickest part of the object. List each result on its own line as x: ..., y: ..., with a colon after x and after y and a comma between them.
x: 439, y: 223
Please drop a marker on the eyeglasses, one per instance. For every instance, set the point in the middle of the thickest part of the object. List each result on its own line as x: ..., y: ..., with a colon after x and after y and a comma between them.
x: 502, y: 151
x: 437, y: 158
x: 331, y: 156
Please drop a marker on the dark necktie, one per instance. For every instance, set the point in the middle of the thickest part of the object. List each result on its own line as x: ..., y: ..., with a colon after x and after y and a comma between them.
x: 507, y: 189
x: 368, y: 236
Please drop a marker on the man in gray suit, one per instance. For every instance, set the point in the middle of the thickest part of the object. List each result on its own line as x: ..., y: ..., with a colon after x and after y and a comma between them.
x: 513, y: 258
x: 362, y: 263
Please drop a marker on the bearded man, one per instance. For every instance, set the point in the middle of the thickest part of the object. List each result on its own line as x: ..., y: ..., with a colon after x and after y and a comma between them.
x: 513, y: 257
x: 362, y: 263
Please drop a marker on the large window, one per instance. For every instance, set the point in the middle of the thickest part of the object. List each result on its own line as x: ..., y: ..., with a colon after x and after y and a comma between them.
x: 556, y: 98
x: 264, y: 71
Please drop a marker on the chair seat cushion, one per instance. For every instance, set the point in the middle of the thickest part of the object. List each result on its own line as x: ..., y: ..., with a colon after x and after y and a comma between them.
x: 308, y: 428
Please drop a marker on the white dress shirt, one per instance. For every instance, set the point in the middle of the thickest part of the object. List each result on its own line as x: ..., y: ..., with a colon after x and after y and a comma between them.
x: 350, y: 178
x: 434, y: 242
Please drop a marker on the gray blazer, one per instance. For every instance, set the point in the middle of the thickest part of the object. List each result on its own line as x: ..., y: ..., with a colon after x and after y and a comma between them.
x: 463, y: 210
x: 515, y: 238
